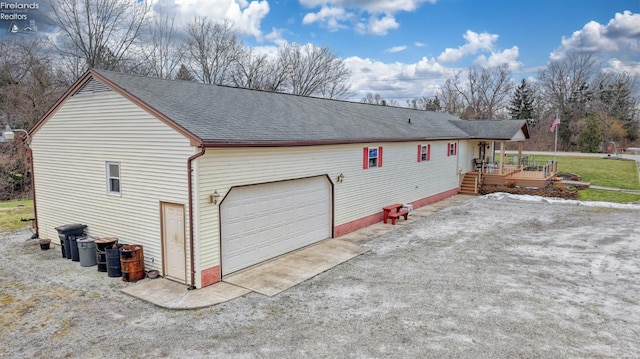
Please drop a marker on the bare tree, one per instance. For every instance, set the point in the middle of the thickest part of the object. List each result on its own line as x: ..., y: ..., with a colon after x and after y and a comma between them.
x: 452, y: 99
x: 425, y: 103
x: 213, y: 49
x: 29, y: 85
x: 313, y: 71
x: 565, y: 85
x: 101, y: 32
x: 257, y: 71
x: 377, y: 99
x: 482, y: 96
x: 162, y: 52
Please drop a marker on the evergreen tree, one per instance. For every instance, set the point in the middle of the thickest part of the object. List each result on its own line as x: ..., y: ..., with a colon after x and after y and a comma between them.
x: 590, y: 138
x: 521, y: 105
x: 615, y: 100
x: 184, y: 74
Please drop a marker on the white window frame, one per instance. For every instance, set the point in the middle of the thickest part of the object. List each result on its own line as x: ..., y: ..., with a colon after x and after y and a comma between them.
x: 424, y: 153
x: 373, y: 160
x: 109, y: 177
x: 452, y: 149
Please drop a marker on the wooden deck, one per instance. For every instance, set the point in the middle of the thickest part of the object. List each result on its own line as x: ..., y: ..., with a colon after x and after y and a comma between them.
x: 512, y: 175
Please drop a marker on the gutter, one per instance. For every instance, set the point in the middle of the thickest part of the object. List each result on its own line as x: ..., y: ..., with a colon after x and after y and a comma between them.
x: 190, y: 189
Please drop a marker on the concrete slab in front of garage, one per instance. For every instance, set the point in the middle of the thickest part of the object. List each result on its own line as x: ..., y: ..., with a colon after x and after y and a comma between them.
x: 281, y: 273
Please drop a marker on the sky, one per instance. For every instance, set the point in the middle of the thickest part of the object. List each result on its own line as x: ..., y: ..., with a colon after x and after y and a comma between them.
x: 407, y: 48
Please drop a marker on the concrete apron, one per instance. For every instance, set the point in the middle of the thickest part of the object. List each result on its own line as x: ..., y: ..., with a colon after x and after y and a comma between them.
x: 278, y: 274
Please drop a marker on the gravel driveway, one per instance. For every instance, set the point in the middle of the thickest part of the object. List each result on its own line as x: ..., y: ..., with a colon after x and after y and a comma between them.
x: 487, y: 278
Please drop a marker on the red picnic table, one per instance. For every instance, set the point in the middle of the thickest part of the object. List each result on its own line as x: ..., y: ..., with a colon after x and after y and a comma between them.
x: 393, y: 212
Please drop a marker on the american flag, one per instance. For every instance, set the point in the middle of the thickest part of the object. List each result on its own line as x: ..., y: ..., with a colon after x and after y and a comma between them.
x: 555, y: 123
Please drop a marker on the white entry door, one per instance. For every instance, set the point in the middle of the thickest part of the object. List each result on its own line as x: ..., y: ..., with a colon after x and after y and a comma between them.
x: 263, y: 221
x: 173, y: 241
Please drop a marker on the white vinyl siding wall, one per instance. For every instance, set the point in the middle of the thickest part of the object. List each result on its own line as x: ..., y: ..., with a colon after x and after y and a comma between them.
x: 364, y: 191
x: 70, y: 151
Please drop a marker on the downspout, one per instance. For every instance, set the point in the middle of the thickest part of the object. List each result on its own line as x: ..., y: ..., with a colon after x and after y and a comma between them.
x: 190, y: 189
x: 33, y: 194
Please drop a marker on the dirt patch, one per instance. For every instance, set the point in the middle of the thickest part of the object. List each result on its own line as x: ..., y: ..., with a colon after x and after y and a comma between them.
x: 557, y: 190
x: 485, y: 278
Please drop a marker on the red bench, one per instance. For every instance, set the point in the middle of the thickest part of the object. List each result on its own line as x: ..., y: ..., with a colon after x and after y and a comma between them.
x: 395, y: 216
x: 393, y: 212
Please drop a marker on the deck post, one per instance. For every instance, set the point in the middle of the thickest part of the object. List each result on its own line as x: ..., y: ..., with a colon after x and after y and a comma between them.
x: 502, y: 157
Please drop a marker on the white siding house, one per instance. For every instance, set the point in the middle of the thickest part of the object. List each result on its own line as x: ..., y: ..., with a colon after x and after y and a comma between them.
x: 194, y: 172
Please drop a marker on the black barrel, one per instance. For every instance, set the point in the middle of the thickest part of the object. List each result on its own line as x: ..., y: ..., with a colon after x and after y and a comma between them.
x: 101, y: 260
x: 67, y: 247
x: 113, y: 261
x: 101, y: 255
x: 73, y: 243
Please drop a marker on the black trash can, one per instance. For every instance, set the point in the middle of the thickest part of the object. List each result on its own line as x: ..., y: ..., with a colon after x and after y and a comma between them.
x: 64, y: 233
x: 73, y: 242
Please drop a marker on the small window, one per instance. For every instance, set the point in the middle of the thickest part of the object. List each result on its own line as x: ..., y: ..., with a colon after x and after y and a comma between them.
x: 424, y: 153
x: 113, y: 178
x: 453, y: 149
x: 371, y: 157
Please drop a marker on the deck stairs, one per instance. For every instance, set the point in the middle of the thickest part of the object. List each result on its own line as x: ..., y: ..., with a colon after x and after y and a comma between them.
x: 470, y: 183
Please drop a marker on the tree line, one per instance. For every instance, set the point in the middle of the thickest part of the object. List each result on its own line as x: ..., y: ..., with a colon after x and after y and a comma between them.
x: 595, y: 106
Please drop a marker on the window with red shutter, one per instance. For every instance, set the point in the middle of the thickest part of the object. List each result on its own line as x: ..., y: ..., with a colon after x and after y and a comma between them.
x: 371, y: 157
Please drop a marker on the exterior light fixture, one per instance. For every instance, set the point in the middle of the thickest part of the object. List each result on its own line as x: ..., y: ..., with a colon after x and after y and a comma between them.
x: 214, y: 197
x: 10, y: 134
x: 340, y: 178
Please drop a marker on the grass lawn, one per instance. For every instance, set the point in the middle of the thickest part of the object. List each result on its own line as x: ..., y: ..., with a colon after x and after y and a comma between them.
x: 600, y: 171
x: 601, y: 195
x: 12, y: 212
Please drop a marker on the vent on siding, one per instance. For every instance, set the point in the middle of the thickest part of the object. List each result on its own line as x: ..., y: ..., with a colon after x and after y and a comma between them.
x: 92, y: 86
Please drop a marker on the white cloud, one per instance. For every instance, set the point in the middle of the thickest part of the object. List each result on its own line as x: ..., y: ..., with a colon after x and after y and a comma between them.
x: 396, y: 81
x: 508, y: 56
x: 379, y: 26
x: 396, y: 49
x: 632, y: 68
x: 366, y: 16
x: 246, y: 15
x: 475, y: 43
x: 330, y: 16
x: 419, y: 44
x: 619, y: 38
x: 276, y: 37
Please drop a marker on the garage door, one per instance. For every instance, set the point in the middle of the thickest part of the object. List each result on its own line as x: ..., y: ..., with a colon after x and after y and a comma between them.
x: 263, y: 221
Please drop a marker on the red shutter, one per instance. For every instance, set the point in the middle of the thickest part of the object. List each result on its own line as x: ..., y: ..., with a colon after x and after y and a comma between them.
x: 365, y: 158
x: 380, y: 156
x: 419, y: 152
x: 428, y: 152
x: 455, y: 148
x: 448, y: 149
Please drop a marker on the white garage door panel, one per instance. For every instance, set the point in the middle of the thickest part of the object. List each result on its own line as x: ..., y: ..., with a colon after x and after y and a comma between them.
x: 263, y: 221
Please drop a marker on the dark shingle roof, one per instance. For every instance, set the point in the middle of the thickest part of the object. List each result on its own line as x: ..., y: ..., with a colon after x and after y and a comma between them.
x: 491, y: 129
x: 227, y: 115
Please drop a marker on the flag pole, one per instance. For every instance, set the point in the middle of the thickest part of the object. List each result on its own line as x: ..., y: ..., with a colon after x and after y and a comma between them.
x: 555, y: 146
x: 556, y: 123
